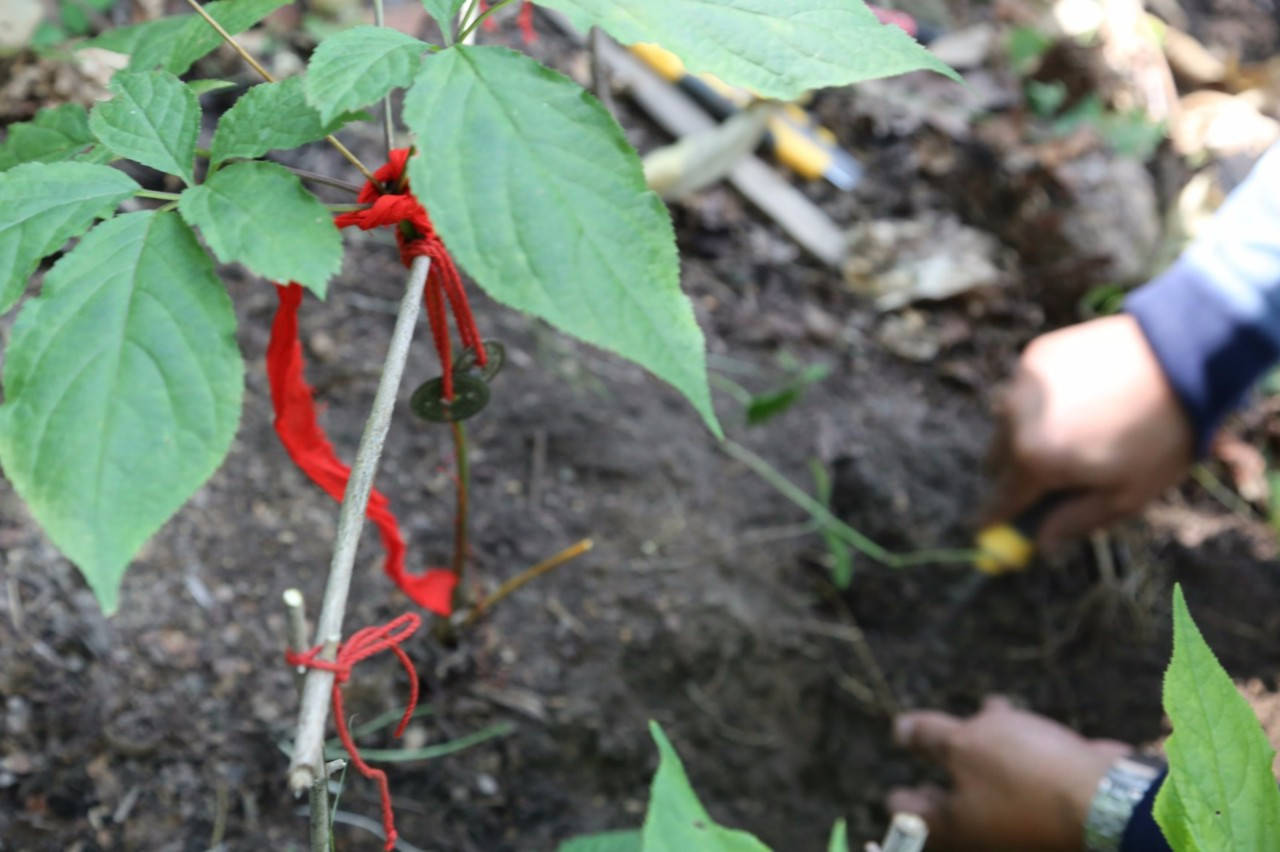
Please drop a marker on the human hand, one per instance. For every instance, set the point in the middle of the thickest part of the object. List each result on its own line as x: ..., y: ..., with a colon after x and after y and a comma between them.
x: 1020, y: 782
x: 1089, y: 411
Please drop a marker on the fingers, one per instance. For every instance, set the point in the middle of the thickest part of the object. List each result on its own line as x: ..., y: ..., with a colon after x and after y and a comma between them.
x: 928, y: 733
x: 1078, y: 516
x: 930, y: 803
x: 1022, y: 475
x: 1017, y: 488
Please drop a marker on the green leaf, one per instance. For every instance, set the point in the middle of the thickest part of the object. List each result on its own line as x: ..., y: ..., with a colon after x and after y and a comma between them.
x: 431, y: 752
x: 205, y: 86
x: 1219, y: 793
x: 358, y: 66
x: 1025, y: 46
x: 676, y: 820
x: 624, y: 840
x: 42, y: 205
x: 56, y: 133
x: 197, y: 38
x: 767, y: 405
x: 535, y: 190
x: 445, y: 13
x: 259, y: 214
x: 839, y: 838
x: 153, y: 119
x: 131, y: 39
x: 838, y: 550
x: 122, y: 387
x: 779, y: 50
x: 268, y: 117
x: 176, y: 42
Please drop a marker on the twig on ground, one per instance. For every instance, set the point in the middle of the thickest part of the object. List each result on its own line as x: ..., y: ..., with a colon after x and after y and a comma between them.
x: 600, y: 83
x: 222, y: 804
x: 525, y: 576
x: 850, y: 632
x: 125, y: 807
x: 309, y: 741
x: 15, y: 602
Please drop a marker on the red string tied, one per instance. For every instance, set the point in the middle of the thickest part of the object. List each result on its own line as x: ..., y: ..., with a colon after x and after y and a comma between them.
x: 362, y: 645
x: 417, y: 237
x: 295, y: 415
x: 524, y: 21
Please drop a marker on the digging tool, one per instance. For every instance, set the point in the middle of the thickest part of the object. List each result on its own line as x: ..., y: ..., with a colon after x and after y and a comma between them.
x: 1010, y: 546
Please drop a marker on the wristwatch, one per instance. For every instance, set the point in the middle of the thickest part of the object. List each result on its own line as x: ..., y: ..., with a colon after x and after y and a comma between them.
x: 1118, y: 793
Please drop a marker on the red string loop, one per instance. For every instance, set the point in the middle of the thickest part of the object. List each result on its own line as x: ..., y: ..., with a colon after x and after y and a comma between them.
x: 295, y: 414
x: 362, y: 645
x: 524, y: 21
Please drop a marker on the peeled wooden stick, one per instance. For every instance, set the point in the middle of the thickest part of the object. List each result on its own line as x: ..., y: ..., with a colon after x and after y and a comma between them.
x: 907, y: 833
x: 296, y: 607
x: 308, y: 743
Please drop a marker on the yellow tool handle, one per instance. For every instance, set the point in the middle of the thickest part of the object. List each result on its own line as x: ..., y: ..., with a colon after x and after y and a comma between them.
x: 1011, y: 546
x: 801, y: 145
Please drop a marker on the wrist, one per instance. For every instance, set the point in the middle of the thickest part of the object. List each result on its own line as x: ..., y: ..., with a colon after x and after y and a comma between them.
x: 1210, y: 349
x: 1118, y: 792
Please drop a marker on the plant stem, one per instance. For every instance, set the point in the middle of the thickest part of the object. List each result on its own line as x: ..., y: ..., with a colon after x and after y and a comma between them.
x: 266, y: 75
x: 316, y: 177
x: 462, y: 470
x: 379, y: 18
x: 321, y: 832
x: 159, y: 196
x: 1229, y: 499
x: 308, y: 742
x: 479, y: 19
x: 823, y: 516
x: 526, y: 576
x: 464, y: 19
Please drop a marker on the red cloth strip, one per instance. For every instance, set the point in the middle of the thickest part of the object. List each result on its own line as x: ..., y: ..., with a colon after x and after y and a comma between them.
x: 295, y: 420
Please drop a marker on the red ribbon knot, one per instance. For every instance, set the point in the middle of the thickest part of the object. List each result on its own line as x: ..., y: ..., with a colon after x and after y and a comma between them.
x: 296, y: 422
x: 362, y: 645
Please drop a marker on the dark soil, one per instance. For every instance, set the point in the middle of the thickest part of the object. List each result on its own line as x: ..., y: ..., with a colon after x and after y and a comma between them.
x: 704, y: 605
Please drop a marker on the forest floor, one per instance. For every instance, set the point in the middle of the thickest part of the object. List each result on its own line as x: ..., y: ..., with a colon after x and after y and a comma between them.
x: 705, y: 604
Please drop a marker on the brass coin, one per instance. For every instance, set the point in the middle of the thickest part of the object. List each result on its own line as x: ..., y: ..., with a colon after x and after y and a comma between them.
x: 470, y: 396
x: 496, y: 356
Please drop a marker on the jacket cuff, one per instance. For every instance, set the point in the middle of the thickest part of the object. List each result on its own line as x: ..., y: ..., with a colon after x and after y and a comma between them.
x: 1142, y: 834
x: 1210, y: 353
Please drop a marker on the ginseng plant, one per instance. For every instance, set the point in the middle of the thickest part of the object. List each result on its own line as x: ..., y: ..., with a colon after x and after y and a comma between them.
x: 122, y: 378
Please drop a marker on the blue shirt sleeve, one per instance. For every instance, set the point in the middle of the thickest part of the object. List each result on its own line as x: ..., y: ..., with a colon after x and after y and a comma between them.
x: 1213, y: 319
x: 1142, y: 834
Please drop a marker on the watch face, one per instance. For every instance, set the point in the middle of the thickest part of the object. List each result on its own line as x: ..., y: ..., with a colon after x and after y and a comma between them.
x: 1141, y: 765
x: 1119, y: 792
